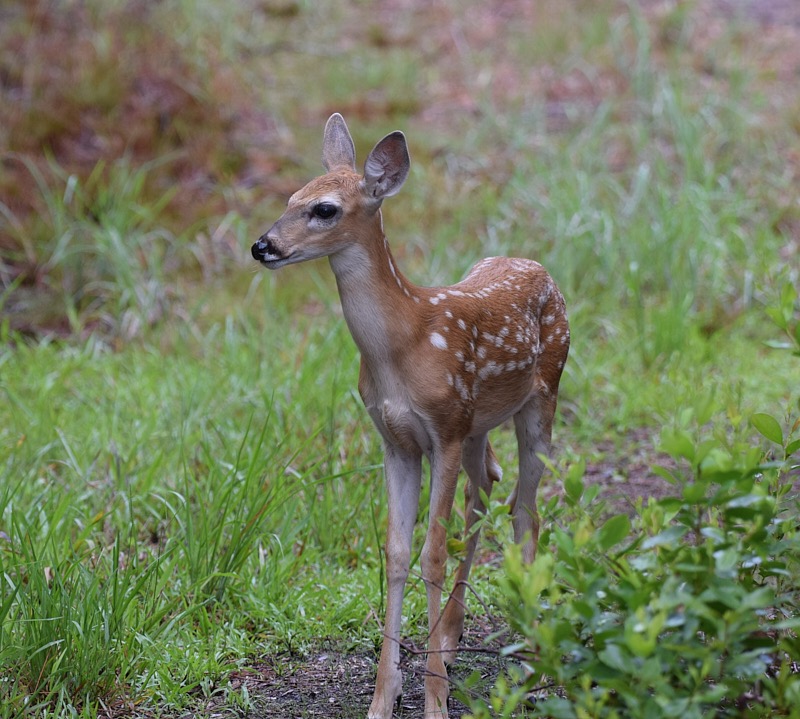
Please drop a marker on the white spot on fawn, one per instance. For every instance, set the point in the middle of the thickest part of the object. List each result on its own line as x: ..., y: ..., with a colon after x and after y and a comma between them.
x: 462, y: 388
x: 438, y: 341
x: 490, y: 369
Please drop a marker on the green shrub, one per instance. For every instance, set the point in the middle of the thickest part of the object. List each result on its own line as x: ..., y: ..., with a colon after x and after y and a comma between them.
x: 689, y: 609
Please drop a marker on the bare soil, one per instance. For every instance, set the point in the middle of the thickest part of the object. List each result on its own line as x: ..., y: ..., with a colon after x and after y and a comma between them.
x: 336, y: 684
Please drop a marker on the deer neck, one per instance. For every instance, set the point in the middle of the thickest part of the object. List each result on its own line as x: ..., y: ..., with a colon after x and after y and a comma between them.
x: 378, y: 302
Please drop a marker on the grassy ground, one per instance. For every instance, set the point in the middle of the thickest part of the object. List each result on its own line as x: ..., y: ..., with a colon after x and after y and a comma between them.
x: 188, y: 483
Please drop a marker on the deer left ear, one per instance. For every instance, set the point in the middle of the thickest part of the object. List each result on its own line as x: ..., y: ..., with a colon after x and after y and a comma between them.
x: 387, y: 166
x: 338, y: 149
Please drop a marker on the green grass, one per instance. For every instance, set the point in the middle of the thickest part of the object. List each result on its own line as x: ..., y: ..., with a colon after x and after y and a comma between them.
x: 154, y: 508
x: 188, y: 480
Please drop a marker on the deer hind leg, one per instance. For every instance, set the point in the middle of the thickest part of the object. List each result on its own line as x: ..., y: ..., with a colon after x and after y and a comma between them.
x: 482, y: 470
x: 534, y: 426
x: 445, y: 465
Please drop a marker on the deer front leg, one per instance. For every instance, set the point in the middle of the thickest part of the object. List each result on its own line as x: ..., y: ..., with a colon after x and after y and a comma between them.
x: 445, y: 464
x: 403, y: 478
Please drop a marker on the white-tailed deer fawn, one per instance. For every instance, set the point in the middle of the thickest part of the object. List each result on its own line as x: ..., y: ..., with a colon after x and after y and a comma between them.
x: 440, y: 367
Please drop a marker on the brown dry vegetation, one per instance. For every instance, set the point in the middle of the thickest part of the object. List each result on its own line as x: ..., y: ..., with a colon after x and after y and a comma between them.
x: 86, y: 86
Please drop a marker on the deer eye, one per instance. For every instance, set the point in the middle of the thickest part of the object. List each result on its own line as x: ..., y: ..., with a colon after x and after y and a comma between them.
x: 324, y: 210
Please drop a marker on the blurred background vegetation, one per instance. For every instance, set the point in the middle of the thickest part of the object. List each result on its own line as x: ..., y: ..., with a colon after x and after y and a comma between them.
x: 139, y: 136
x: 188, y: 482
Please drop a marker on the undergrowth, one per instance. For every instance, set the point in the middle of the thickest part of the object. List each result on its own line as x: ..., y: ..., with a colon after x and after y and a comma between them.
x: 691, y: 606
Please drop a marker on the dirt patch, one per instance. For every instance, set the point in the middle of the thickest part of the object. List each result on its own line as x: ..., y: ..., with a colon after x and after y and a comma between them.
x: 624, y: 471
x: 339, y: 685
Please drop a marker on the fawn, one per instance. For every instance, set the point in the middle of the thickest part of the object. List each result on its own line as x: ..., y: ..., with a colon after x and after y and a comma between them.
x: 440, y: 367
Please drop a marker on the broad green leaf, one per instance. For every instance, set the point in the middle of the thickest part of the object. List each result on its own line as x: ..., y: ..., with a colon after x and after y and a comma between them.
x: 788, y: 299
x: 726, y: 561
x: 557, y: 708
x: 676, y: 707
x: 664, y: 473
x: 789, y: 623
x: 617, y: 658
x: 777, y: 316
x: 669, y: 537
x: 705, y: 405
x: 677, y: 443
x: 713, y: 533
x: 671, y: 506
x: 780, y: 344
x: 716, y: 461
x: 768, y: 426
x: 641, y: 632
x: 750, y: 500
x: 694, y: 492
x: 456, y: 547
x: 573, y: 482
x: 691, y: 568
x: 727, y: 595
x: 713, y: 694
x: 758, y: 598
x: 614, y: 531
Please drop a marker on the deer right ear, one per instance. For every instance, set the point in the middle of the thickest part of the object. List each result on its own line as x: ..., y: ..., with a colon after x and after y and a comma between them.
x: 387, y: 166
x: 338, y: 149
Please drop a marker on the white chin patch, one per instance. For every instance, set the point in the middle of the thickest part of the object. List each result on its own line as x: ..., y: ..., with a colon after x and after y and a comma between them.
x: 274, y: 262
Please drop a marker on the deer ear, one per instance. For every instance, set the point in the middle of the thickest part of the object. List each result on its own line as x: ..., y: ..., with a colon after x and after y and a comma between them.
x: 338, y: 149
x: 386, y: 168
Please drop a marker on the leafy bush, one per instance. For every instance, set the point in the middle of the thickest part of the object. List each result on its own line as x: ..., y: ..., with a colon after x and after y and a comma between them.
x: 693, y: 613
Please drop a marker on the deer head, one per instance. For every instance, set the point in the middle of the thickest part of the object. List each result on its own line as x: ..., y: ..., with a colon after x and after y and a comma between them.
x: 333, y: 211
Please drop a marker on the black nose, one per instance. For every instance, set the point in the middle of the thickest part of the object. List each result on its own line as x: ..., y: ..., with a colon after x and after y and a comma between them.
x: 262, y: 248
x: 258, y: 250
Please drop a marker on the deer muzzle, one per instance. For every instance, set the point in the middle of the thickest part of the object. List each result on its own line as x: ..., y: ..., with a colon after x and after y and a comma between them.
x: 265, y: 251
